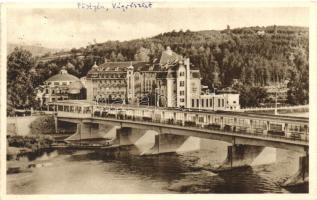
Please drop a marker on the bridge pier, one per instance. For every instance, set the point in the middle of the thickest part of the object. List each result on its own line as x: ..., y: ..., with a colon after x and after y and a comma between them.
x: 239, y: 155
x: 92, y: 131
x: 168, y: 143
x: 128, y: 136
x: 302, y: 174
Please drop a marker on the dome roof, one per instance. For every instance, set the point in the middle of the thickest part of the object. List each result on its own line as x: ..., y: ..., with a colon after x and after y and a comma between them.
x: 75, y: 87
x: 63, y: 76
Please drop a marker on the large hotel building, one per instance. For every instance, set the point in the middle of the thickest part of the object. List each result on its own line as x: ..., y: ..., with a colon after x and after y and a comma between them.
x: 170, y: 80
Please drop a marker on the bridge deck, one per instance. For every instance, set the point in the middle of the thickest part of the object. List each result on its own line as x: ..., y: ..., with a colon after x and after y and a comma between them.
x: 286, y: 129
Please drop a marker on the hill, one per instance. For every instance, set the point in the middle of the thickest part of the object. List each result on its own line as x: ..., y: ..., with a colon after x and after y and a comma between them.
x: 263, y: 54
x: 245, y: 58
x: 35, y: 50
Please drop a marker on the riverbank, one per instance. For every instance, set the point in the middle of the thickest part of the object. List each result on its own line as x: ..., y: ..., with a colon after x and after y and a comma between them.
x: 21, y: 147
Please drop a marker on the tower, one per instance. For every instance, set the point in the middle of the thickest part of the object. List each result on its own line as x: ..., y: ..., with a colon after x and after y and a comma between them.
x: 188, y: 88
x: 130, y: 84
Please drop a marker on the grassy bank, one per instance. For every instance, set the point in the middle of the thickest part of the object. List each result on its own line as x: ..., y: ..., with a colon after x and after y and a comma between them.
x: 18, y: 146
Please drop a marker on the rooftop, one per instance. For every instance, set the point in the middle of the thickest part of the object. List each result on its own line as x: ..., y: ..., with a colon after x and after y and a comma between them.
x: 63, y: 76
x: 119, y: 66
x: 169, y: 57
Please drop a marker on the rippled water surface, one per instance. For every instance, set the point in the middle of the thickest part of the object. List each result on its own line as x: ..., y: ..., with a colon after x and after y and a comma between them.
x: 124, y: 171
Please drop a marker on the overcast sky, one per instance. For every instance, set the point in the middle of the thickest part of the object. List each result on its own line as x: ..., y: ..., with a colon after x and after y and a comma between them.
x: 71, y: 27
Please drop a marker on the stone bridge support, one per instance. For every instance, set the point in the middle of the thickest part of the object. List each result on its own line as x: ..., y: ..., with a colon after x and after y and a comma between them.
x: 168, y: 143
x: 128, y: 136
x: 301, y: 176
x: 93, y: 131
x: 239, y: 155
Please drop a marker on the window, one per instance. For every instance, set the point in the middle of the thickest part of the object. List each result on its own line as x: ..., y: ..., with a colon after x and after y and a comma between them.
x: 223, y: 103
x: 197, y: 102
x: 218, y: 102
x: 182, y: 100
x: 56, y: 83
x: 193, y: 102
x: 211, y: 102
x: 182, y: 92
x: 181, y: 73
x: 64, y: 83
x: 182, y: 83
x: 207, y: 103
x: 202, y: 103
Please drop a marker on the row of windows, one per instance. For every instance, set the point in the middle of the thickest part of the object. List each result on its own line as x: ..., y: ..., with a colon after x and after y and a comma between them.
x: 207, y: 103
x: 113, y: 92
x: 107, y: 97
x: 57, y: 91
x: 112, y: 76
x: 60, y: 98
x: 111, y: 81
x: 56, y: 83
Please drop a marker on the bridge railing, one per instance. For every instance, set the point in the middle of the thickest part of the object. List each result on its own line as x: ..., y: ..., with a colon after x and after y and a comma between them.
x: 73, y: 115
x: 216, y: 127
x: 273, y: 108
x: 236, y: 128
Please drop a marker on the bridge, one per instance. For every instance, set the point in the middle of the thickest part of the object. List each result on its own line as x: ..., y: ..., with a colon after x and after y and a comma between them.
x: 247, y: 133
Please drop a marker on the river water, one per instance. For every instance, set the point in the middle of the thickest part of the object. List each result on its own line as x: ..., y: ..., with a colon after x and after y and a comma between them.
x: 125, y: 171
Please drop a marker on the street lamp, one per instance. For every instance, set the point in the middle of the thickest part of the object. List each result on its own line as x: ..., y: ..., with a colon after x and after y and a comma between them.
x: 275, y: 110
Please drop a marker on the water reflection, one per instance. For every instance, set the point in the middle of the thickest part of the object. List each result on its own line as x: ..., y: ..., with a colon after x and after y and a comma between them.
x: 124, y: 171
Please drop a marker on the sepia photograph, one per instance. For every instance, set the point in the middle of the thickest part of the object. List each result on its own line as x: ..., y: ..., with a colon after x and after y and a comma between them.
x: 156, y: 98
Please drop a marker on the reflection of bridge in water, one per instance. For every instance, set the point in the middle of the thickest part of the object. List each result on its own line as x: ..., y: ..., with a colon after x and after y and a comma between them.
x: 248, y: 133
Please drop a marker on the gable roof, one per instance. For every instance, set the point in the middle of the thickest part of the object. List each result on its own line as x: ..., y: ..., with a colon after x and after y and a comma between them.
x: 119, y: 66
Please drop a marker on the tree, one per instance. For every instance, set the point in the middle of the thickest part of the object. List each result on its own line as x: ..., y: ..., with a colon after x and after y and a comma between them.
x: 20, y: 88
x: 113, y: 56
x: 298, y: 88
x: 251, y: 96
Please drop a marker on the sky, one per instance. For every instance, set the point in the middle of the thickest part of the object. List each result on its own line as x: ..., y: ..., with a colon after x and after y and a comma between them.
x: 65, y: 28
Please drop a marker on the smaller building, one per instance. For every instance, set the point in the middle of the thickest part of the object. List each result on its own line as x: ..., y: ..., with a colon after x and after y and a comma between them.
x: 214, y: 101
x: 62, y: 86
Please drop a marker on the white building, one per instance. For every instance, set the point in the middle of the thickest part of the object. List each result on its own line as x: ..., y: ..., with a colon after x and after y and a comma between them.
x: 170, y: 80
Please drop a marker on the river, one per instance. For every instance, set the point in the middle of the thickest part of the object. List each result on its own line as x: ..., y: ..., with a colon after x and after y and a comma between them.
x: 124, y: 171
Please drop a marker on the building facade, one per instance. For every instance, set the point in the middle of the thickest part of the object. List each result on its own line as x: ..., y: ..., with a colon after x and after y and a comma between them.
x: 168, y: 82
x: 62, y: 86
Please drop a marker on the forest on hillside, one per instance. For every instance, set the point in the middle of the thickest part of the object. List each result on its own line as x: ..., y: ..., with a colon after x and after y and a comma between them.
x: 255, y: 56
